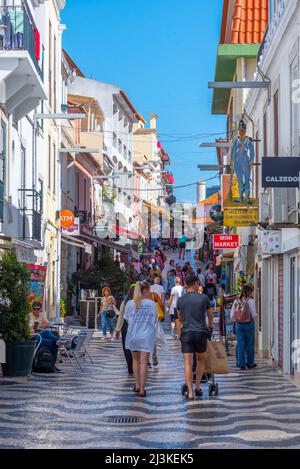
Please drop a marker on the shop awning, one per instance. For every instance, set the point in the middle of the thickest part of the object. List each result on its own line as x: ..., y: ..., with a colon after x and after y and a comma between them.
x: 104, y: 242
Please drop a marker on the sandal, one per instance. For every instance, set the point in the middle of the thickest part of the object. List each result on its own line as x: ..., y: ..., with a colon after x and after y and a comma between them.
x: 143, y: 395
x: 135, y: 389
x: 189, y: 398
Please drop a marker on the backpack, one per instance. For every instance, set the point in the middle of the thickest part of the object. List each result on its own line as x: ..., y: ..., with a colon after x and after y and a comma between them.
x: 44, y: 361
x: 242, y: 311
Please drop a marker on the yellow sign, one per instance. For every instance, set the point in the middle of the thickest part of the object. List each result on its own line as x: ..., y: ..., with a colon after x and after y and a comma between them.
x: 226, y: 188
x: 240, y: 217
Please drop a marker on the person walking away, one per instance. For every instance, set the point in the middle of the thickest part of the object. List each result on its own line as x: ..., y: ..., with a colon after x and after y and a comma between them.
x: 201, y: 277
x: 182, y: 246
x: 176, y: 293
x: 160, y: 308
x: 122, y: 327
x: 171, y: 281
x: 141, y: 315
x: 107, y: 312
x: 158, y: 289
x: 192, y: 311
x: 243, y: 312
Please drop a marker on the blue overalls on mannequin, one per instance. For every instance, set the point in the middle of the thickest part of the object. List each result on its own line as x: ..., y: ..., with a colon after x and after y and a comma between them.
x: 242, y: 158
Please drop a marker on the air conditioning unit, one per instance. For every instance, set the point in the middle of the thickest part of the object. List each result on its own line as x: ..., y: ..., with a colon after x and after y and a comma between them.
x: 279, y: 205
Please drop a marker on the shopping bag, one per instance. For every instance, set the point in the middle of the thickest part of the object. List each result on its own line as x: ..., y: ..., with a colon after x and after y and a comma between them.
x: 161, y: 340
x: 216, y: 359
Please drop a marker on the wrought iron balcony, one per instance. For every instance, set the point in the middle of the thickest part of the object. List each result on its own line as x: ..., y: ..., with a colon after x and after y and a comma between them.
x: 18, y: 32
x: 21, y: 62
x: 30, y: 214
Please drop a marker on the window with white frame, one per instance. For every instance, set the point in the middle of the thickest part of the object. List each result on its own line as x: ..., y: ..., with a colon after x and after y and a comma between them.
x: 294, y: 79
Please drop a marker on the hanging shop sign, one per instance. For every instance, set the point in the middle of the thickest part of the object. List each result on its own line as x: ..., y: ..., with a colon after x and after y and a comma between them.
x: 66, y: 218
x: 240, y: 217
x: 280, y: 171
x: 270, y: 242
x: 74, y: 229
x: 226, y: 241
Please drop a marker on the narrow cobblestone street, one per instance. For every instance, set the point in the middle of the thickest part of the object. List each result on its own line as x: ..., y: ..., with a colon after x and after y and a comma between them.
x: 255, y: 408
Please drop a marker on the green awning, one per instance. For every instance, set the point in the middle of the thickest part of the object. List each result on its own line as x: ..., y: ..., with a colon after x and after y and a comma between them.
x: 227, y: 56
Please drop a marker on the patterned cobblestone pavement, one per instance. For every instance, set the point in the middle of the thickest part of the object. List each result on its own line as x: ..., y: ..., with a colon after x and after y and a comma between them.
x: 255, y: 408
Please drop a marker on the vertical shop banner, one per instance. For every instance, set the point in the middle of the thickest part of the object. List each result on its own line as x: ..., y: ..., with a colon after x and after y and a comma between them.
x: 37, y: 283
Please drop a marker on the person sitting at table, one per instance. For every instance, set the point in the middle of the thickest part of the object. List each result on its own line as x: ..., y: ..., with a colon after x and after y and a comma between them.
x: 40, y: 325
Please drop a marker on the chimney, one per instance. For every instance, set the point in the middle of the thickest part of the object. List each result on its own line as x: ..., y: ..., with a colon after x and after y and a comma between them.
x: 153, y: 119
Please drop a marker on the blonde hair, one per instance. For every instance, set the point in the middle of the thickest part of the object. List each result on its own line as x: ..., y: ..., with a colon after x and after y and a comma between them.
x: 106, y: 289
x: 138, y: 292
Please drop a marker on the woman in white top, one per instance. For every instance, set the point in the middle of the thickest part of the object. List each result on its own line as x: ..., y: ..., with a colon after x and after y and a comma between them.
x: 243, y: 311
x: 141, y: 315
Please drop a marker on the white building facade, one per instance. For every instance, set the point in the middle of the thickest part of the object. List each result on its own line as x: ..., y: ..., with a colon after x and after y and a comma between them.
x: 276, y: 123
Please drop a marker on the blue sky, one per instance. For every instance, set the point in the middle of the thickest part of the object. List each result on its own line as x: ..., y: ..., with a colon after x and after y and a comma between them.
x: 162, y: 53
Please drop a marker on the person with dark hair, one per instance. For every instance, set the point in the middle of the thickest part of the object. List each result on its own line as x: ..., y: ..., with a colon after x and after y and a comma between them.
x: 243, y: 312
x: 122, y: 327
x: 192, y: 310
x: 141, y: 314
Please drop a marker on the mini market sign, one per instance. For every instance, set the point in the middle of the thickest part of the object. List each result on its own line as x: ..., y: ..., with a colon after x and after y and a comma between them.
x: 226, y: 241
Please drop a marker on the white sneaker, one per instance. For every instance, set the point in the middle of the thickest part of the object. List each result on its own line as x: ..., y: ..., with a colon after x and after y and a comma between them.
x: 103, y: 339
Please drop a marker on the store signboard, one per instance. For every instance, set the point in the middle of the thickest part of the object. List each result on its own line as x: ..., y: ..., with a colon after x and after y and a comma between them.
x: 270, y: 242
x: 280, y: 171
x: 73, y: 230
x: 240, y: 217
x: 226, y: 241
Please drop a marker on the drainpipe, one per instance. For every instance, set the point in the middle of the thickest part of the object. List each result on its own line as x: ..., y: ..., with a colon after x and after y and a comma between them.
x: 58, y: 176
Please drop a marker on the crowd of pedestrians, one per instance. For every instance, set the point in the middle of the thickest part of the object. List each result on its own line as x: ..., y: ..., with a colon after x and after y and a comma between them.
x: 163, y: 288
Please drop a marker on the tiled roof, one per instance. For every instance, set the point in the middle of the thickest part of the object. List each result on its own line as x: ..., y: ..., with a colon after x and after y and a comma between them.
x: 249, y: 22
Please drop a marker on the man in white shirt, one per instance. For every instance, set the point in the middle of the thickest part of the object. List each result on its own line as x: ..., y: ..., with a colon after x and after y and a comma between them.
x: 176, y: 293
x: 158, y: 289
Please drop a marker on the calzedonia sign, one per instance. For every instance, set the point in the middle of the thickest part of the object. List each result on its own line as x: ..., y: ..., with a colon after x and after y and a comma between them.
x: 226, y: 241
x: 280, y: 171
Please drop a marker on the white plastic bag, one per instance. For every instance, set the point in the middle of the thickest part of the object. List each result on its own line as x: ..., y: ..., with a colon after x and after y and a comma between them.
x: 161, y: 340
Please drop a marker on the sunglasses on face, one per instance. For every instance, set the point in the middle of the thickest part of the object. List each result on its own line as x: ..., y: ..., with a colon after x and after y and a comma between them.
x: 36, y: 309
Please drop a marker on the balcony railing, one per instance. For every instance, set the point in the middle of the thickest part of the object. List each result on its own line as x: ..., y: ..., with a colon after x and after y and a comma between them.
x: 18, y: 32
x: 31, y: 214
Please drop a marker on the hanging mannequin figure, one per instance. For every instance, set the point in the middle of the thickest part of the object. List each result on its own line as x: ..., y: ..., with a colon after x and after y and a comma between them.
x: 242, y: 160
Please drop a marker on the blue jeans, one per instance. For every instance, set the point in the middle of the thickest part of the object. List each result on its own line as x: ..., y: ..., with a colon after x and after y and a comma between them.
x: 49, y: 341
x: 105, y: 320
x: 245, y: 344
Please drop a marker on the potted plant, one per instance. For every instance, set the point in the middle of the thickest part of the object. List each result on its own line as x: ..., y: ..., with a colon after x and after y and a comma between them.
x: 14, y: 316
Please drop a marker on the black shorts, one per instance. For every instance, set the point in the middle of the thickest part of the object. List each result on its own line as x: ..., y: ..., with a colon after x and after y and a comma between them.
x: 174, y: 316
x: 182, y: 245
x: 194, y: 342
